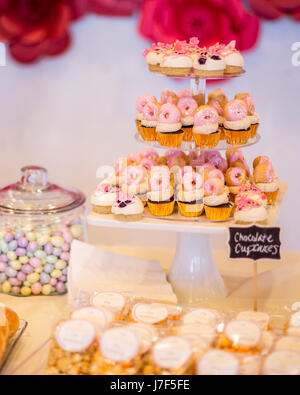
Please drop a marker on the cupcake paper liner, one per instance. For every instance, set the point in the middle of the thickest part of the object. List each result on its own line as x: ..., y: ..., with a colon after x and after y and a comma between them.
x: 188, y: 133
x: 190, y: 210
x: 170, y: 139
x: 218, y: 213
x: 253, y: 130
x: 148, y: 134
x: 138, y: 126
x: 237, y: 137
x: 161, y: 209
x: 272, y: 196
x: 207, y: 140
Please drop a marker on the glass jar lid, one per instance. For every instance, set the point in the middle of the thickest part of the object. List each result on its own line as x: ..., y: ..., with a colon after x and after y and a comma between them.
x: 34, y: 195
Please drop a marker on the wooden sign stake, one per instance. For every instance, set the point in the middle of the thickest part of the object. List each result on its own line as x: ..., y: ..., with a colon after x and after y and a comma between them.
x: 255, y: 294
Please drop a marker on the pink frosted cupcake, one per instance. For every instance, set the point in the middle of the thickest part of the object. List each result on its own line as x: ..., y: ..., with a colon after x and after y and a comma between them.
x: 169, y: 131
x: 236, y: 122
x: 140, y: 104
x: 149, y: 122
x: 206, y: 132
x: 187, y: 107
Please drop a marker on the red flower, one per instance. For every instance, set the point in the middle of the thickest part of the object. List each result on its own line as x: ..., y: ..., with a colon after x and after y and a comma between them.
x: 209, y: 20
x: 114, y: 7
x: 34, y: 28
x: 273, y: 9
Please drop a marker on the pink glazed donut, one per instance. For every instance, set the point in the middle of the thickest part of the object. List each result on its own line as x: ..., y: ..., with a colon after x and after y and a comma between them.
x: 235, y: 110
x: 187, y: 106
x: 169, y: 113
x: 150, y: 112
x: 134, y: 175
x: 213, y: 187
x: 143, y: 100
x: 216, y: 173
x: 192, y: 181
x: 206, y: 115
x: 159, y: 178
x: 149, y: 153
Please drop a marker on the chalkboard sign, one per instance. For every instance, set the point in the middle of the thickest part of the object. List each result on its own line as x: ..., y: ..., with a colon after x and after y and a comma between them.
x: 254, y: 242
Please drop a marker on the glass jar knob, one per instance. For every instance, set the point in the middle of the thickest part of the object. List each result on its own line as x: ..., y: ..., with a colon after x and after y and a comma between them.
x: 33, y: 177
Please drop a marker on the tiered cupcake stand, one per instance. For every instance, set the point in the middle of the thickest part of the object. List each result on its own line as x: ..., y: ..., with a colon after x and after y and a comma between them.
x: 194, y: 275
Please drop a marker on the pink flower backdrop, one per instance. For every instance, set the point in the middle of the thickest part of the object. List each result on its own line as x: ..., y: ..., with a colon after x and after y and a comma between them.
x: 37, y: 28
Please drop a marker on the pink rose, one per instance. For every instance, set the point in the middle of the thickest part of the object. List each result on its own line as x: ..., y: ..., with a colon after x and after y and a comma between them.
x: 114, y: 7
x: 273, y: 9
x: 35, y: 28
x: 210, y: 21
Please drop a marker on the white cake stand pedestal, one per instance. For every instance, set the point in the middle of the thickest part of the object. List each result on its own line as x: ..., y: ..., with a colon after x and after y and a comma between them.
x: 194, y: 275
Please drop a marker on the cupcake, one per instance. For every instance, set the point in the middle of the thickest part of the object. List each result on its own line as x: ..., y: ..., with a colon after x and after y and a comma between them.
x: 168, y: 128
x: 206, y: 124
x: 127, y: 207
x: 216, y: 202
x: 161, y: 200
x: 190, y: 193
x: 209, y: 64
x: 154, y: 55
x: 265, y: 179
x: 140, y: 104
x: 236, y: 122
x: 104, y: 197
x: 135, y: 182
x: 235, y: 178
x: 176, y: 64
x: 149, y: 122
x: 234, y: 60
x: 218, y: 100
x: 249, y: 211
x: 252, y: 115
x: 187, y: 107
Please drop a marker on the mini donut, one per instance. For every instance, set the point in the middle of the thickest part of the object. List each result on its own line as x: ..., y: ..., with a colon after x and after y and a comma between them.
x: 192, y: 181
x: 185, y: 93
x: 150, y: 112
x: 208, y: 155
x: 208, y: 166
x: 214, y: 173
x: 168, y: 97
x: 134, y: 175
x: 213, y: 187
x: 133, y: 159
x: 148, y: 163
x: 169, y: 113
x: 187, y: 106
x: 216, y: 105
x: 235, y: 110
x: 247, y: 98
x: 13, y: 321
x: 143, y: 100
x: 149, y: 153
x: 220, y: 163
x: 219, y: 96
x: 236, y: 156
x: 264, y: 173
x: 206, y: 115
x: 159, y: 178
x: 235, y: 176
x: 259, y: 160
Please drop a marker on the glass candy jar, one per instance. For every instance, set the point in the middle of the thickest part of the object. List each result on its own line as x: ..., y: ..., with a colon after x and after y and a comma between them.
x: 38, y: 222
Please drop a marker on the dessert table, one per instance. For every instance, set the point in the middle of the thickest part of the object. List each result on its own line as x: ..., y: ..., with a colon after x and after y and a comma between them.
x: 278, y: 290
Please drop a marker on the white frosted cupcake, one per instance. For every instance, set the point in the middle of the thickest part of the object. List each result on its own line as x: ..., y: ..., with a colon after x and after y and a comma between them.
x: 176, y: 64
x: 248, y: 211
x: 103, y: 198
x: 127, y: 207
x: 209, y: 65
